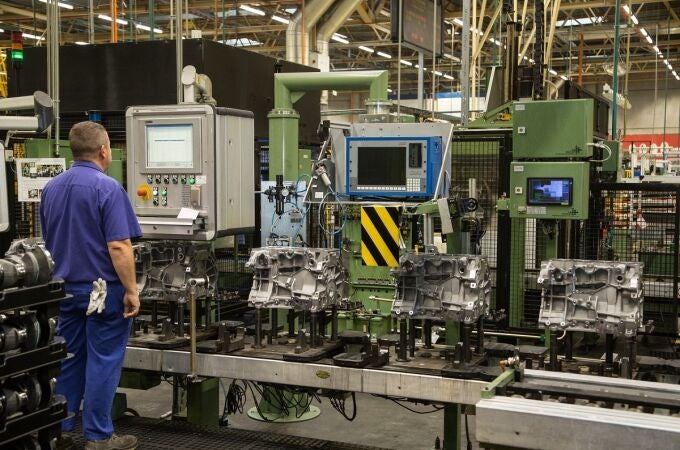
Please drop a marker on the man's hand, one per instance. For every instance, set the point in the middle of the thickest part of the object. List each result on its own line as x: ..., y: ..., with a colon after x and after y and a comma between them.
x: 130, y: 304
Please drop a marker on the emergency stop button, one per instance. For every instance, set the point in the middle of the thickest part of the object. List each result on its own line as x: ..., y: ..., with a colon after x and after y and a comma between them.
x: 144, y: 191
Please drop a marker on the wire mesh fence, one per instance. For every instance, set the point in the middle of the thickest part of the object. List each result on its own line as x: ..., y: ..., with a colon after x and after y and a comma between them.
x: 639, y: 223
x: 475, y: 159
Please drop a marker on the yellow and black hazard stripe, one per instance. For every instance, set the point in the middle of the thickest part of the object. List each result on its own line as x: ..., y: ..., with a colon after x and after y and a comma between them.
x: 380, y: 235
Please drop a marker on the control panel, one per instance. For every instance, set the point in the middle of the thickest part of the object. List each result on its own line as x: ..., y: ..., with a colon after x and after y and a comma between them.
x: 392, y: 166
x: 549, y: 190
x: 190, y: 170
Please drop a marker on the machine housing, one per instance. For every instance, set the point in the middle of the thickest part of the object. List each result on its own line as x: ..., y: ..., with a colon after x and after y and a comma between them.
x: 193, y: 156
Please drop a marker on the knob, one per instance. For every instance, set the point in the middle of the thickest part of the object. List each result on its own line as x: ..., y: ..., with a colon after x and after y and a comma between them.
x: 144, y: 191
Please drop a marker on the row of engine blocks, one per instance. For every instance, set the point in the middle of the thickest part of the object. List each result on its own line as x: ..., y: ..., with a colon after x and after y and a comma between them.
x: 577, y: 295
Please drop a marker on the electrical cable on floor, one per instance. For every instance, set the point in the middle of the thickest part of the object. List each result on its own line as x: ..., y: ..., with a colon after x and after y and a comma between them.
x: 467, y: 433
x: 338, y: 399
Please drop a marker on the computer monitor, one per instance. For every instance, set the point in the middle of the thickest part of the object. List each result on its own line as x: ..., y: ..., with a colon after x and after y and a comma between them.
x: 549, y: 191
x: 169, y: 146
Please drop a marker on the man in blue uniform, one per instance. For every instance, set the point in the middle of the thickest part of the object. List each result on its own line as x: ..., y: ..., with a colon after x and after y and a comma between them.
x: 88, y: 224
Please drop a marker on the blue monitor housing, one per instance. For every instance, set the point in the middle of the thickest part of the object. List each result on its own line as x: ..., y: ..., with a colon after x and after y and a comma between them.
x: 392, y: 166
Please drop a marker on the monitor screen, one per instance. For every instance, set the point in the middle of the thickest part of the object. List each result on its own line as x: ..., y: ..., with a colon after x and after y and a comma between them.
x: 549, y: 191
x: 381, y: 166
x: 170, y: 146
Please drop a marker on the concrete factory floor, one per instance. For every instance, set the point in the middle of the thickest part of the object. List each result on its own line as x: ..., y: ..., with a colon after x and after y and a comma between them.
x: 379, y: 422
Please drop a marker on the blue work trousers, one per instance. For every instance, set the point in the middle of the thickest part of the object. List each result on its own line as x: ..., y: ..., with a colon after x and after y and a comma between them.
x: 98, y: 345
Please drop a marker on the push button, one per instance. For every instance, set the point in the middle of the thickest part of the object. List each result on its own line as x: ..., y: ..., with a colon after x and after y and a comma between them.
x: 144, y: 191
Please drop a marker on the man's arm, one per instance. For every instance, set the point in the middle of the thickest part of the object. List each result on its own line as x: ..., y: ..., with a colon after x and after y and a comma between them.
x: 124, y: 262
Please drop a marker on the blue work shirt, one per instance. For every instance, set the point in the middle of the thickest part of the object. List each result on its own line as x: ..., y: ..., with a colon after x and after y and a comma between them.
x: 81, y: 211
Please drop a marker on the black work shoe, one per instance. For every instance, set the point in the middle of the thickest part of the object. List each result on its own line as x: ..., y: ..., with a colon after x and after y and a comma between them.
x: 65, y: 441
x: 115, y: 442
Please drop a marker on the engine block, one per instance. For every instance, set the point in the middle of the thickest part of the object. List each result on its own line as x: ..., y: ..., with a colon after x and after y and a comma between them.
x: 442, y: 287
x: 309, y: 279
x: 165, y: 267
x: 591, y: 296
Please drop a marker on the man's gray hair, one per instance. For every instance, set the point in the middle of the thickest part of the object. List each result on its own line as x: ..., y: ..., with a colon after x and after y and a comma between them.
x: 86, y: 138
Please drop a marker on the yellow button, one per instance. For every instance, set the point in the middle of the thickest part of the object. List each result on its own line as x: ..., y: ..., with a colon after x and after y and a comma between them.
x: 144, y: 191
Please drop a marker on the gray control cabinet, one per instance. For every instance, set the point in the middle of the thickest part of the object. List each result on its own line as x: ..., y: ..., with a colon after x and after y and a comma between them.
x: 195, y: 159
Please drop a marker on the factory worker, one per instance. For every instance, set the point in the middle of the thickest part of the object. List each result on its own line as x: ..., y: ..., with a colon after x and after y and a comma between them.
x: 88, y: 224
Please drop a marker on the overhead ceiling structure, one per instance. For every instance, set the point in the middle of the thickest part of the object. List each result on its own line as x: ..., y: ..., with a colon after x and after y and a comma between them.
x: 355, y: 34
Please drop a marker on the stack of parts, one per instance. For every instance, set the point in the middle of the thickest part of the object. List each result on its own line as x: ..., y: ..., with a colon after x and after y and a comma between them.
x: 30, y: 353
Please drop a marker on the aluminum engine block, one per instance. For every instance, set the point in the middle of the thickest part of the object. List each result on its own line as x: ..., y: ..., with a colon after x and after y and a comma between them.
x: 309, y: 279
x: 442, y: 287
x: 591, y: 296
x: 164, y: 269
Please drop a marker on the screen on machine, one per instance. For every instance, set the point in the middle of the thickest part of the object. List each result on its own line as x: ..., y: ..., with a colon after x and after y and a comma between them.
x: 169, y: 146
x: 549, y: 191
x: 381, y: 166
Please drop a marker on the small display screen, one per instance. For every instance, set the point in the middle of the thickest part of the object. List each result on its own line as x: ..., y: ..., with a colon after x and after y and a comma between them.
x: 381, y: 166
x: 549, y: 191
x: 170, y: 146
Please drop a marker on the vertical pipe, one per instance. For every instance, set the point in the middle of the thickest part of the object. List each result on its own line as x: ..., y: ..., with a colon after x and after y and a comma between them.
x: 291, y: 323
x: 114, y: 24
x: 421, y: 79
x: 554, y: 366
x: 192, y: 332
x: 434, y: 55
x: 152, y: 18
x: 480, y: 336
x: 466, y: 335
x: 569, y: 346
x: 580, y: 60
x: 273, y: 326
x: 427, y: 333
x: 403, y: 342
x: 178, y: 48
x: 90, y: 22
x: 615, y: 76
x: 412, y: 337
x: 676, y: 269
x: 258, y: 324
x: 401, y: 16
x: 465, y: 65
x: 609, y: 348
x: 334, y: 323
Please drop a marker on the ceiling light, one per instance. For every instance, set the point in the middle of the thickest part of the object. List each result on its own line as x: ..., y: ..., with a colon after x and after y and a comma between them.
x: 109, y: 19
x: 406, y: 63
x: 627, y: 9
x: 280, y: 19
x: 389, y: 90
x: 644, y: 32
x: 576, y: 22
x: 33, y: 36
x: 341, y: 35
x: 61, y: 5
x: 338, y: 38
x: 649, y: 39
x: 656, y: 49
x: 675, y: 74
x: 1, y: 30
x: 458, y: 22
x: 250, y: 9
x: 531, y: 61
x: 366, y: 49
x: 439, y: 74
x: 147, y: 28
x: 634, y: 19
x: 564, y: 78
x: 448, y: 77
x: 526, y: 58
x: 81, y: 43
x: 553, y: 72
x: 384, y: 55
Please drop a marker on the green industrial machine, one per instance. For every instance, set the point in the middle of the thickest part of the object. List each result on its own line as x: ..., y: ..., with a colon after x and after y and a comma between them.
x: 549, y: 182
x: 557, y: 129
x: 44, y: 148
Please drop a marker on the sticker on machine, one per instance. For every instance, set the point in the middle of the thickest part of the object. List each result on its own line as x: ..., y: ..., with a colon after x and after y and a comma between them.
x: 537, y: 210
x: 201, y: 180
